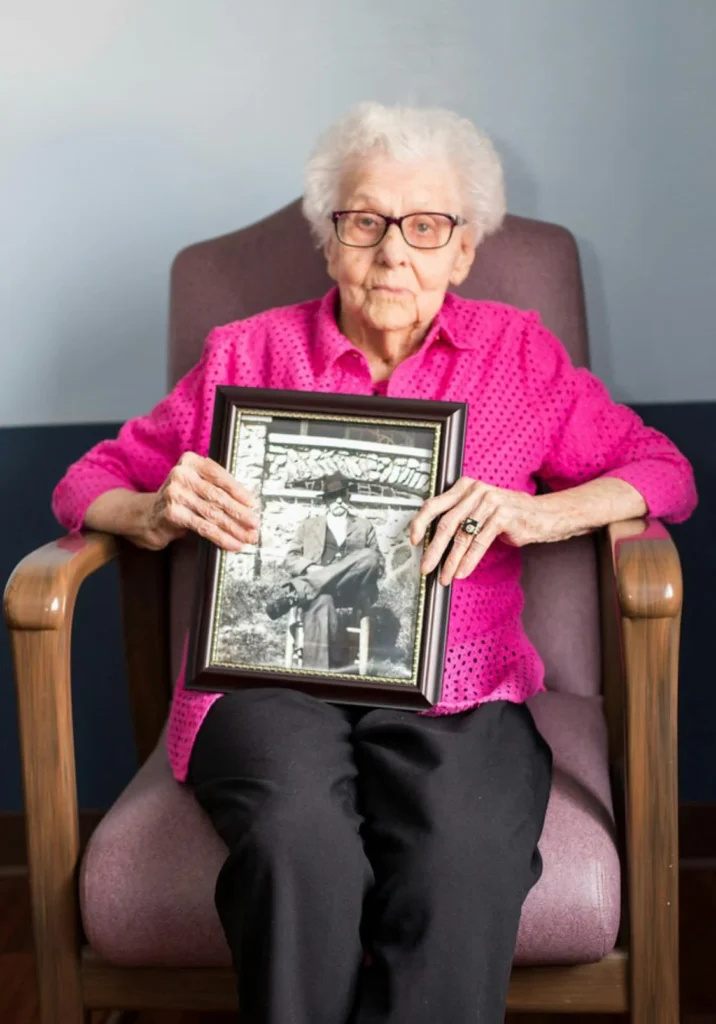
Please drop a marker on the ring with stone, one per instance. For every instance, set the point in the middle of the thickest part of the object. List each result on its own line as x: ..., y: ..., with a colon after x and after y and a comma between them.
x: 470, y: 526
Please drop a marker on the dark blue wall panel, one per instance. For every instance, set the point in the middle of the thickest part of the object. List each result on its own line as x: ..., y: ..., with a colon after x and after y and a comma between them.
x: 32, y: 459
x: 693, y: 428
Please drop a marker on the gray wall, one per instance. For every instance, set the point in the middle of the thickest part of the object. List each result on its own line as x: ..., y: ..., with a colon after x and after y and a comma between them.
x: 131, y: 129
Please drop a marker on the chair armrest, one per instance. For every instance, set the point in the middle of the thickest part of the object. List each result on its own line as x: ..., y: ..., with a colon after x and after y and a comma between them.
x: 41, y: 591
x: 646, y: 595
x: 646, y: 568
x: 39, y: 604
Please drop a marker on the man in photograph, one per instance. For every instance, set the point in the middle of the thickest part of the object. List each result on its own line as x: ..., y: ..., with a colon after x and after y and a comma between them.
x: 334, y: 562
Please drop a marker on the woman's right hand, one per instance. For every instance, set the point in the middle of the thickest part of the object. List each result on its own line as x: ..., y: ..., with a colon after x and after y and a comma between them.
x: 201, y: 496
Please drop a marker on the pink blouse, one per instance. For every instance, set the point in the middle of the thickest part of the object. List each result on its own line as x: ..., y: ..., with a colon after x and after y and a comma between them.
x: 531, y: 414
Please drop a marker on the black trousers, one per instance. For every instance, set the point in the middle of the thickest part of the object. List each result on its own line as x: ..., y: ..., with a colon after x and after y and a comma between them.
x: 413, y: 839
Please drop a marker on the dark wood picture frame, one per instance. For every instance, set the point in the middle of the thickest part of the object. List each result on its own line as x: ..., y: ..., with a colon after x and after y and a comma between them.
x: 204, y: 672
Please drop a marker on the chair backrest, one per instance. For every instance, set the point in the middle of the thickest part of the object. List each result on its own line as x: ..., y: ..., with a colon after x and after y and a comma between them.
x: 529, y: 264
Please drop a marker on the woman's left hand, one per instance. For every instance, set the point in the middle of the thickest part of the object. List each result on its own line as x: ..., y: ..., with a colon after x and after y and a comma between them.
x: 513, y: 516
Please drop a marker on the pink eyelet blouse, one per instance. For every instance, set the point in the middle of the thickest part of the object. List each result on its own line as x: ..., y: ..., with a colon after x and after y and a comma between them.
x: 531, y: 414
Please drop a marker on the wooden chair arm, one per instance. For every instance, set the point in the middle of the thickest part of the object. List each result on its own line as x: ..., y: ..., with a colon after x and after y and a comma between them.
x: 39, y: 604
x: 647, y: 569
x: 41, y: 591
x: 642, y: 588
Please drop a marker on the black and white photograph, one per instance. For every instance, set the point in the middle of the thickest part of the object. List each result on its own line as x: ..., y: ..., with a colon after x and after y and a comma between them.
x: 333, y: 584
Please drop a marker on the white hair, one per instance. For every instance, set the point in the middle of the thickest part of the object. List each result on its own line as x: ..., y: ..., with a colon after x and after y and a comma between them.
x: 406, y: 134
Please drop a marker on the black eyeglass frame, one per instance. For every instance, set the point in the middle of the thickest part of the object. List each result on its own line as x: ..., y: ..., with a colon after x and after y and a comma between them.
x: 455, y: 222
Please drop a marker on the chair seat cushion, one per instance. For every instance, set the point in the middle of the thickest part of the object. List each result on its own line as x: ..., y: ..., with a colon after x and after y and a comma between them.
x: 148, y: 874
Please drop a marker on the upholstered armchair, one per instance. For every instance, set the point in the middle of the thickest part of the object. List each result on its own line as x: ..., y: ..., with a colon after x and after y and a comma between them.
x: 130, y: 922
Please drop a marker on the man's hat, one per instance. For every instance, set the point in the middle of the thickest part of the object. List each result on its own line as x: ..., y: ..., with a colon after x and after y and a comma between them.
x: 333, y: 485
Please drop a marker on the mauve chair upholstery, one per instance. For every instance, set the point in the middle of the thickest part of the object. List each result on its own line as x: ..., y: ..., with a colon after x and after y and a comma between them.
x: 148, y: 875
x: 274, y: 262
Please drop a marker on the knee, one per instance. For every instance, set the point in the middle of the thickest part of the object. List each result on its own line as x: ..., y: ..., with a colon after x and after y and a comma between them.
x: 367, y: 559
x: 303, y: 832
x: 458, y: 859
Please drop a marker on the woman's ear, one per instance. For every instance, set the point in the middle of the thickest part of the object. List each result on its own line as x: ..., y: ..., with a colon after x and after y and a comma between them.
x: 464, y: 258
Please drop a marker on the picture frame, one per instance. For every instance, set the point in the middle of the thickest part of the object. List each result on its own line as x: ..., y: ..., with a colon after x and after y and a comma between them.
x: 331, y: 600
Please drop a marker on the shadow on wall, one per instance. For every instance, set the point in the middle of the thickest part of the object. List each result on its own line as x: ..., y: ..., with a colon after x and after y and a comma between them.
x: 520, y: 184
x: 600, y: 340
x: 523, y: 197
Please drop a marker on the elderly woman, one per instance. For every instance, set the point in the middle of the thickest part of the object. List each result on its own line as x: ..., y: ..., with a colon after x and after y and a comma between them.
x: 412, y: 837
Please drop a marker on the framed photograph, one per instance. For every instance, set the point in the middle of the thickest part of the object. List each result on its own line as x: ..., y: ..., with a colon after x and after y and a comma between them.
x: 331, y: 600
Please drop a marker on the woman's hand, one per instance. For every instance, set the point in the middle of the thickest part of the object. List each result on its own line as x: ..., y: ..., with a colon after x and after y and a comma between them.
x: 201, y: 496
x: 515, y: 517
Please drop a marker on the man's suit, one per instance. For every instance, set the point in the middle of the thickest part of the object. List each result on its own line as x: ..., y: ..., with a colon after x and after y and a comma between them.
x: 327, y: 575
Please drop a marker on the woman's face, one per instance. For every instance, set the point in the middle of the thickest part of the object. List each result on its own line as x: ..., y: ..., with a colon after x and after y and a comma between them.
x: 393, y: 286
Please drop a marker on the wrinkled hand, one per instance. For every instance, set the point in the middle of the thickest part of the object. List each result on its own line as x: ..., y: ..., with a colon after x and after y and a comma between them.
x: 201, y: 496
x: 513, y: 516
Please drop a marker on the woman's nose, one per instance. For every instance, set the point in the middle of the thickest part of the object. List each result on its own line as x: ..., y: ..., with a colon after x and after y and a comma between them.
x: 393, y: 249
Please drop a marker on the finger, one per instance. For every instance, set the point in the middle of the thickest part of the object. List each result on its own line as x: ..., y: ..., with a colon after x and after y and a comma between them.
x: 221, y: 478
x: 212, y: 494
x: 460, y: 546
x: 217, y: 475
x: 189, y: 520
x: 481, y: 543
x: 434, y: 507
x: 215, y: 515
x: 448, y: 528
x: 464, y: 541
x: 210, y: 521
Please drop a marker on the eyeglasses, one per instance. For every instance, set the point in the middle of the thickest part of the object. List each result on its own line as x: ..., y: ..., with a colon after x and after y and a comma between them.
x: 363, y: 229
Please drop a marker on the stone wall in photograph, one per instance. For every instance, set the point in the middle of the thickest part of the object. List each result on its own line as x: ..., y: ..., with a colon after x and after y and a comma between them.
x: 293, y: 466
x: 296, y: 465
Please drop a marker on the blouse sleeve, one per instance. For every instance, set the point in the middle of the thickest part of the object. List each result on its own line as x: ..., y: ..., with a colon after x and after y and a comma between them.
x: 146, y: 448
x: 588, y: 436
